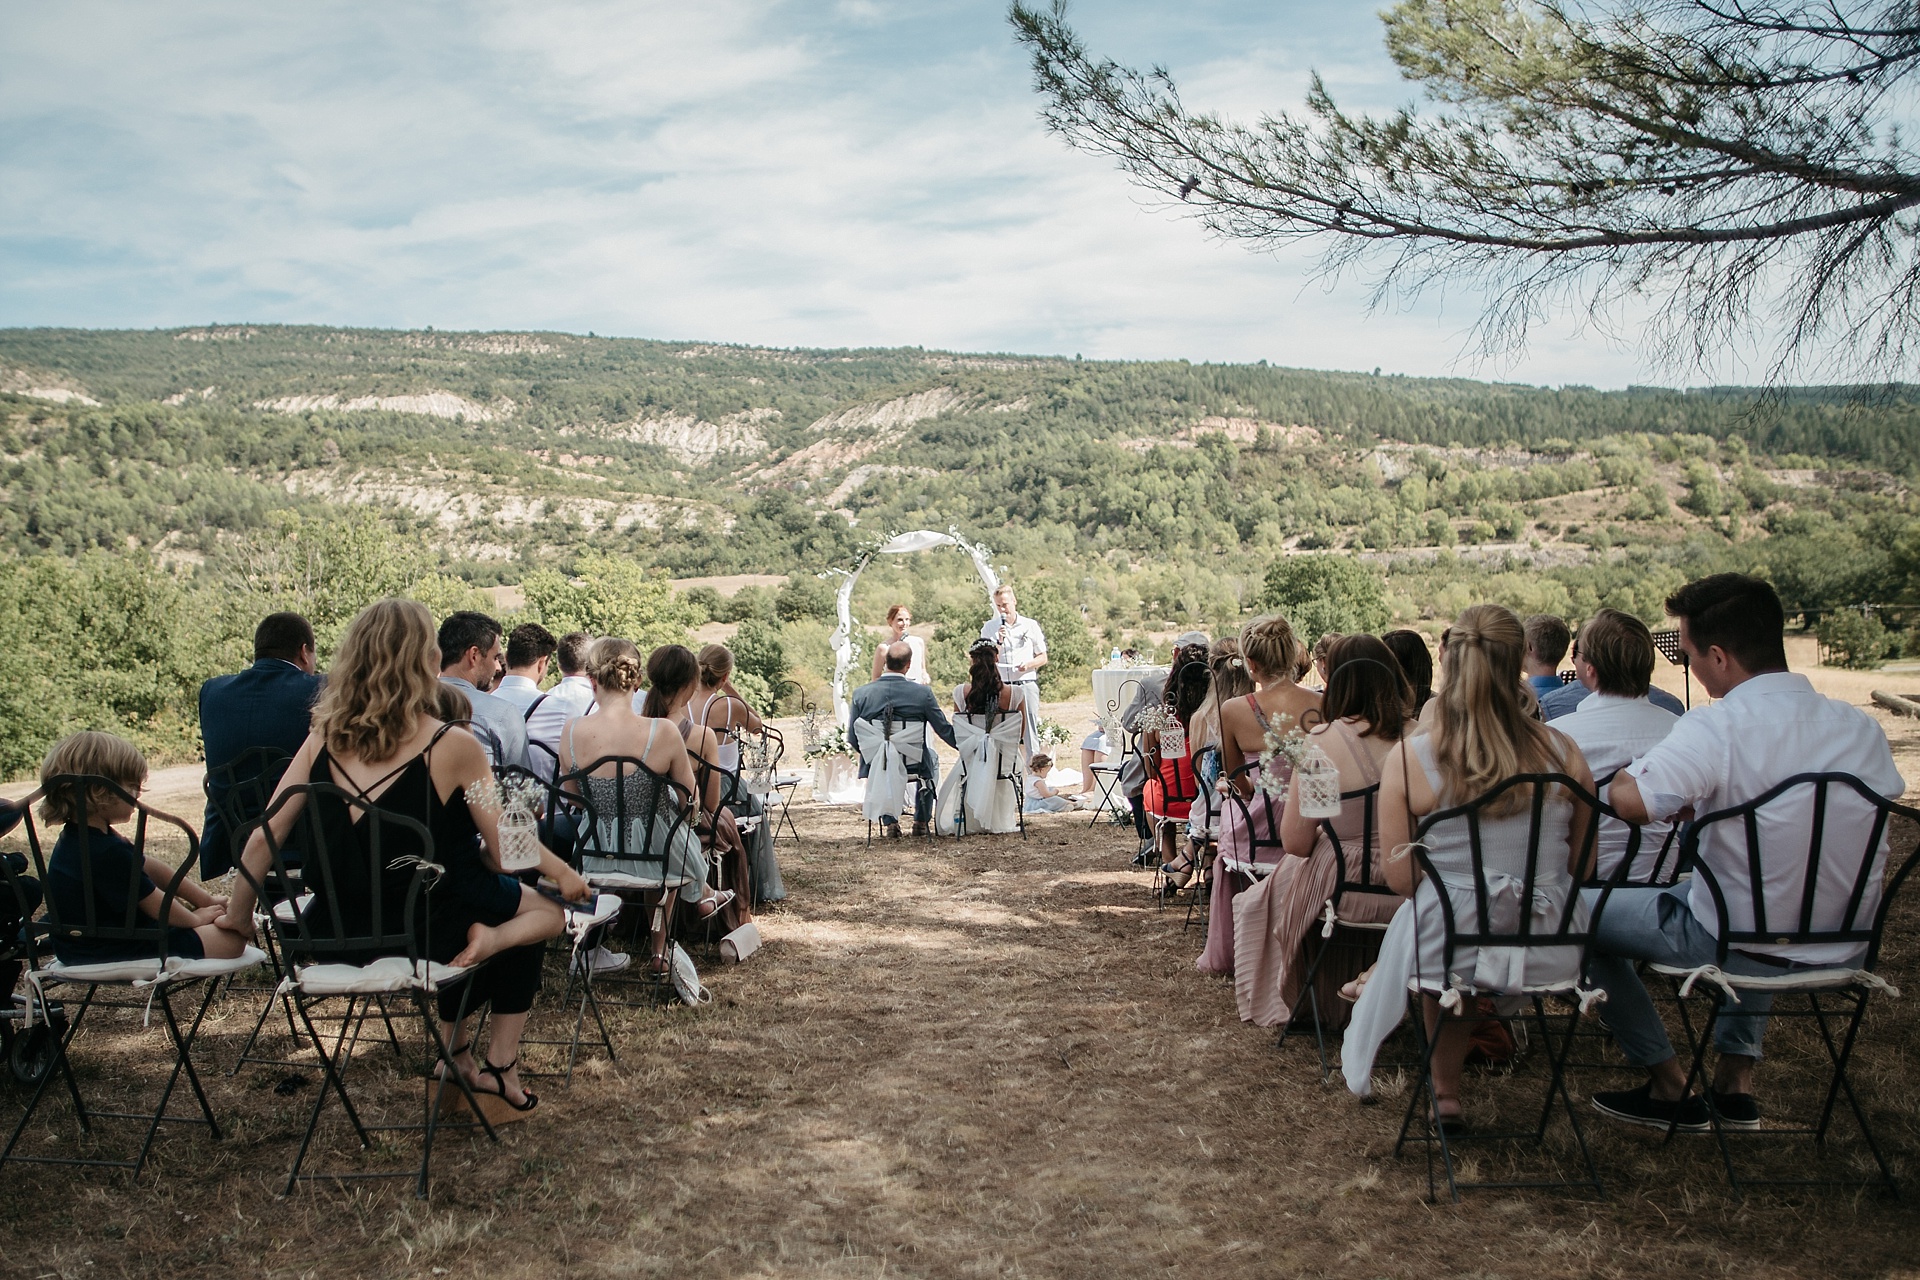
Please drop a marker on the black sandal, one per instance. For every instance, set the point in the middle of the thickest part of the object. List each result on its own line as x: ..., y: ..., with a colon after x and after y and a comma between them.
x: 499, y: 1075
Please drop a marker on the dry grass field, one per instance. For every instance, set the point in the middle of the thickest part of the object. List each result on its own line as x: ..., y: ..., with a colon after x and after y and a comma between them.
x: 985, y: 1058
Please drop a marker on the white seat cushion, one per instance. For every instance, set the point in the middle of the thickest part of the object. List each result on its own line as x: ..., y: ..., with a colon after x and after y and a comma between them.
x: 137, y: 972
x: 585, y: 917
x: 620, y: 881
x: 388, y: 973
x: 287, y: 910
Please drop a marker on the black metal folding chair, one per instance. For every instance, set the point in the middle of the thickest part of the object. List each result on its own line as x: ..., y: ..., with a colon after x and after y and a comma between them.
x: 239, y: 790
x: 1206, y: 852
x: 133, y: 955
x: 1839, y: 864
x: 364, y: 933
x: 1355, y: 881
x: 1121, y: 743
x: 1457, y: 993
x: 626, y: 847
x: 785, y: 784
x: 1176, y: 792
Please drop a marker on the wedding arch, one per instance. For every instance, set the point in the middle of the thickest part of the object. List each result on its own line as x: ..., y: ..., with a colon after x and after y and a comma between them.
x: 899, y: 545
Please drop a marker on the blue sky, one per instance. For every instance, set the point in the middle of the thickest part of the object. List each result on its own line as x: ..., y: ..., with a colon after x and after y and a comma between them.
x: 844, y: 173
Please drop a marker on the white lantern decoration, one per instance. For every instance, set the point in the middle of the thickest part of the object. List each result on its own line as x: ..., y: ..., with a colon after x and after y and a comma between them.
x: 1173, y: 741
x: 1319, y: 782
x: 519, y: 841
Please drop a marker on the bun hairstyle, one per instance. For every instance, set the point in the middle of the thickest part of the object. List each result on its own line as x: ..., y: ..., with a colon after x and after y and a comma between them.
x: 716, y: 665
x: 613, y: 663
x: 1484, y: 733
x: 1271, y: 649
x: 670, y: 669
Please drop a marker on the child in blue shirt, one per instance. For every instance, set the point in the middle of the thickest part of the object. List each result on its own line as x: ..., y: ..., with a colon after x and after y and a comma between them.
x: 96, y: 878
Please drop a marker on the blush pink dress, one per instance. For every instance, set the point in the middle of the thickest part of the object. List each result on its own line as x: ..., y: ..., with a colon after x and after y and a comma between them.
x: 1272, y: 918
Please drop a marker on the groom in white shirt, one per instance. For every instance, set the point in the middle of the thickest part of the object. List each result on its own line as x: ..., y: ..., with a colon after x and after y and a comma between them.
x: 1767, y: 725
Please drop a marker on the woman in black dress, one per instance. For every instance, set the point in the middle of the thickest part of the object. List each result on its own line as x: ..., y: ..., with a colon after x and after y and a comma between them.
x: 375, y: 735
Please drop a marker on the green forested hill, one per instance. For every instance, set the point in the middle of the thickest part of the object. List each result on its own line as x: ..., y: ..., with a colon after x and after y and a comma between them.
x: 212, y: 465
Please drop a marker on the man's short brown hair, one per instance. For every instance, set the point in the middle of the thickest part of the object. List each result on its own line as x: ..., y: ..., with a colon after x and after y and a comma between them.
x: 573, y: 652
x: 1620, y: 649
x: 1547, y: 638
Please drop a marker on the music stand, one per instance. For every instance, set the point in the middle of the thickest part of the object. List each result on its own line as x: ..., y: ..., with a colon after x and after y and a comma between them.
x: 1668, y: 643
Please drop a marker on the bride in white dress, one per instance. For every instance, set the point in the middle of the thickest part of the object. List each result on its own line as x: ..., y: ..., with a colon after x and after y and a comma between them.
x: 899, y: 618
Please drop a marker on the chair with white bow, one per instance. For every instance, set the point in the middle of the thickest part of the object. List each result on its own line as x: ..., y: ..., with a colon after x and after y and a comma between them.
x: 892, y: 750
x: 982, y: 792
x: 1516, y: 935
x: 149, y: 976
x: 1818, y: 845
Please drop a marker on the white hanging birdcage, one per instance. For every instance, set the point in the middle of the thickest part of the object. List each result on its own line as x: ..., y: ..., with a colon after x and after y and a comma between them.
x: 519, y: 841
x: 756, y: 766
x: 1319, y: 781
x: 1173, y: 742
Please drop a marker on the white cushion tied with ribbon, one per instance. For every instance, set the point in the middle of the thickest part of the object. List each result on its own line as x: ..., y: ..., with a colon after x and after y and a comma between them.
x: 889, y: 762
x: 976, y: 785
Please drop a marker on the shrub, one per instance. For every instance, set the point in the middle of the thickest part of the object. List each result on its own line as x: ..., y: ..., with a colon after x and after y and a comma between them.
x: 1322, y: 593
x: 1855, y: 639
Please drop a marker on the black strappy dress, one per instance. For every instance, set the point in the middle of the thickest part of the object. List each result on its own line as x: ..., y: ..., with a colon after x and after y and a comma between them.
x: 470, y: 892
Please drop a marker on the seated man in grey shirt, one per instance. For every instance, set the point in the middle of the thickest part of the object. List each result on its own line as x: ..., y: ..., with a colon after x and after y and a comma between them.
x: 471, y: 661
x: 1616, y: 725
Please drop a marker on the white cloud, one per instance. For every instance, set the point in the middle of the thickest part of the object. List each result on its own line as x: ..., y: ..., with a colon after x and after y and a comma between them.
x: 822, y: 174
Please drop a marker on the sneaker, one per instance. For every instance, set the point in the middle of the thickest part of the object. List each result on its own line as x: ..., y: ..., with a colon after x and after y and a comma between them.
x: 1639, y: 1106
x: 1736, y: 1110
x: 602, y: 960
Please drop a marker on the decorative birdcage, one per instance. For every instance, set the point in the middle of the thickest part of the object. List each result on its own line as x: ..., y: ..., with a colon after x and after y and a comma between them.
x: 516, y: 804
x: 756, y: 765
x: 1319, y: 781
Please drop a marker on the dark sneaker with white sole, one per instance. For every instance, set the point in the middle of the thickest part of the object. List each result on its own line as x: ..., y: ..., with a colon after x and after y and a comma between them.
x: 1639, y: 1106
x: 1736, y: 1110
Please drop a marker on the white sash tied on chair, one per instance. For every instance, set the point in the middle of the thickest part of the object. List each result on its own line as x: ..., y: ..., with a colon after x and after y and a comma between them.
x: 1508, y: 970
x: 889, y: 761
x: 975, y: 786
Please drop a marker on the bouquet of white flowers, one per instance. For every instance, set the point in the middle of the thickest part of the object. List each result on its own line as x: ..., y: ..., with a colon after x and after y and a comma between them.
x: 1054, y: 734
x: 831, y: 743
x: 1284, y: 741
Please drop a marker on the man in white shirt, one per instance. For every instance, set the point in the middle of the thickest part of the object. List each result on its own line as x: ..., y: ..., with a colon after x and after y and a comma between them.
x: 470, y: 661
x: 1767, y: 726
x: 1023, y: 651
x: 530, y: 647
x: 1618, y: 724
x: 548, y: 715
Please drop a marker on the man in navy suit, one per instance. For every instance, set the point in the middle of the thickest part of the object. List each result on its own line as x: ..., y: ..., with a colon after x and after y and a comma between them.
x: 268, y: 705
x: 907, y: 700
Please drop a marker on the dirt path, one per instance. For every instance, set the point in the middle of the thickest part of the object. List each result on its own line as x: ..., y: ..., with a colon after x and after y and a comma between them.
x: 990, y: 1058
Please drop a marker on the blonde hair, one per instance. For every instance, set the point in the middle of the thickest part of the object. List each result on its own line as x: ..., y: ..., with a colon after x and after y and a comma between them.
x: 1483, y: 734
x: 101, y: 755
x: 384, y: 677
x: 716, y: 664
x: 615, y: 664
x: 1270, y: 648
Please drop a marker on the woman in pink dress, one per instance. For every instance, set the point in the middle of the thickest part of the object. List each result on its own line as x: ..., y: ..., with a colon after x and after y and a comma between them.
x: 1276, y: 659
x: 1369, y: 705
